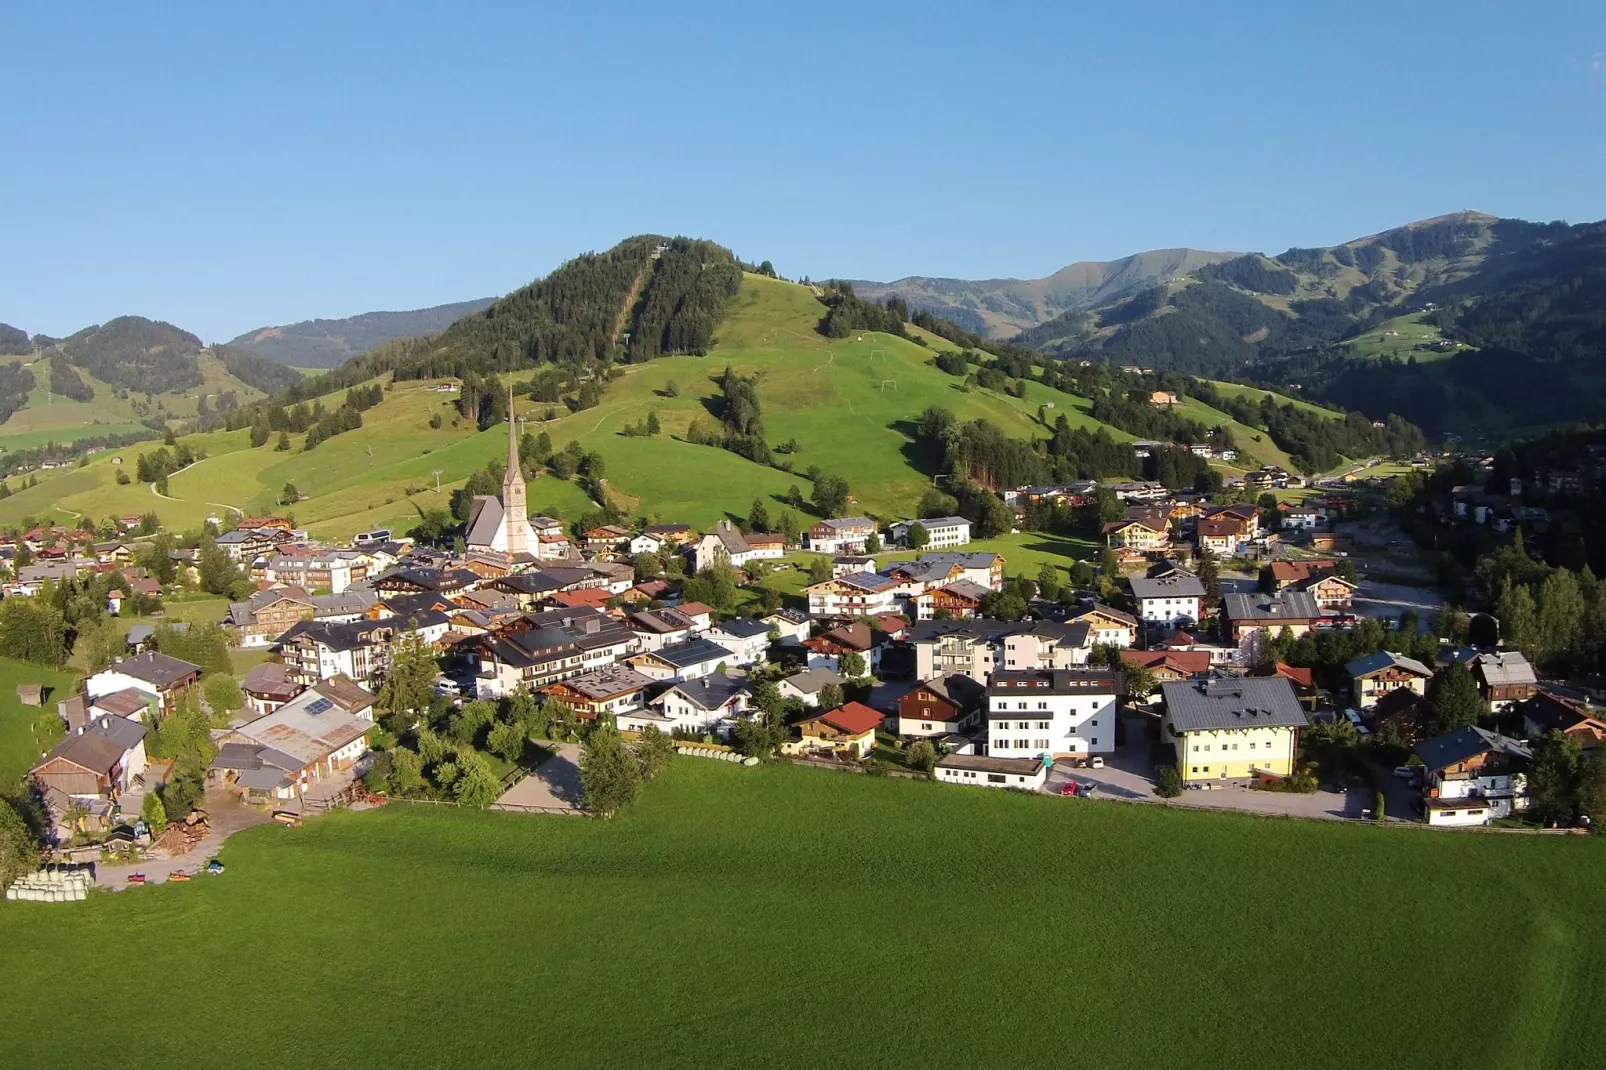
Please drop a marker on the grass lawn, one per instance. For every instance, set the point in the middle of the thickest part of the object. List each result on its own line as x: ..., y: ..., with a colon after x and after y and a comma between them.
x: 1023, y: 554
x: 25, y: 731
x: 731, y: 917
x: 1398, y: 338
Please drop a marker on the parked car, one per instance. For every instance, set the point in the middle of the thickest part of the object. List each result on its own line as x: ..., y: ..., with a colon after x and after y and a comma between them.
x: 1096, y: 762
x: 1405, y: 772
x: 447, y: 686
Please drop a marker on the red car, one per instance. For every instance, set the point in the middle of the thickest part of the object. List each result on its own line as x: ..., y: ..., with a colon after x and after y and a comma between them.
x: 1068, y: 788
x: 136, y: 878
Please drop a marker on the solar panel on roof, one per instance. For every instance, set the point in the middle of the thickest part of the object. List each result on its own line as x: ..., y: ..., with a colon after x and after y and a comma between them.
x: 320, y: 705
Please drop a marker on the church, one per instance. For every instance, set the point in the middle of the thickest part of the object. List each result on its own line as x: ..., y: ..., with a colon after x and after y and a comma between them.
x: 501, y: 526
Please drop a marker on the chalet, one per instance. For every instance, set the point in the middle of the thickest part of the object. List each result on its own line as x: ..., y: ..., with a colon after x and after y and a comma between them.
x: 959, y: 600
x: 660, y: 628
x: 765, y: 545
x: 1174, y: 599
x: 332, y: 571
x: 1377, y: 674
x: 1109, y: 625
x: 1406, y: 713
x: 849, y: 729
x: 99, y: 760
x: 940, y: 569
x: 267, y: 687
x: 614, y: 690
x: 1168, y: 666
x: 806, y: 686
x: 942, y: 532
x: 683, y: 661
x: 1302, y: 678
x: 130, y: 704
x: 700, y: 615
x: 1304, y: 518
x: 1164, y: 399
x: 747, y: 639
x: 1141, y: 534
x: 279, y: 524
x: 944, y: 705
x: 826, y: 650
x: 1247, y: 613
x: 1548, y: 712
x: 1474, y: 776
x: 165, y: 679
x: 1223, y: 536
x: 707, y: 704
x: 860, y: 595
x: 412, y: 579
x: 791, y: 625
x: 725, y: 543
x: 606, y: 539
x: 1504, y: 678
x: 266, y: 615
x: 320, y: 733
x: 530, y: 657
x: 532, y: 588
x: 586, y: 598
x: 1319, y: 579
x: 315, y: 650
x: 848, y: 534
x: 245, y: 545
x: 656, y: 538
x: 851, y: 565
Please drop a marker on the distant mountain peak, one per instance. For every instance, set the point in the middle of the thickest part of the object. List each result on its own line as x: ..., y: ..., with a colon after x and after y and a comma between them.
x: 1004, y: 307
x: 324, y: 343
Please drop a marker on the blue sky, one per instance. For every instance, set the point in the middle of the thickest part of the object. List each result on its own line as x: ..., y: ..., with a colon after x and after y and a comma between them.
x: 225, y: 169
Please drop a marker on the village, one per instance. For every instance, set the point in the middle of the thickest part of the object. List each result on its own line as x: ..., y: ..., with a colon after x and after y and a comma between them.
x: 1166, y: 675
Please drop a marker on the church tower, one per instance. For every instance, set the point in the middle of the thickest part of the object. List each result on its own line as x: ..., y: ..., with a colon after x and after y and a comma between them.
x: 514, y: 522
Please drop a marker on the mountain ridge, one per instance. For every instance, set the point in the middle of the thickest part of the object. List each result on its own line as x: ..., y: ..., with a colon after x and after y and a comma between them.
x: 1003, y: 307
x: 326, y: 343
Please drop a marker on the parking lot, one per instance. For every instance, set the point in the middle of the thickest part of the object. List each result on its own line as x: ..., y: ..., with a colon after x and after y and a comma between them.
x: 1128, y: 776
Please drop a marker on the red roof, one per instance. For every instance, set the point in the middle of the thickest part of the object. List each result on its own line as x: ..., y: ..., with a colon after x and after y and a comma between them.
x: 694, y: 609
x: 1302, y: 677
x: 1294, y: 571
x: 587, y: 597
x: 1190, y: 662
x: 855, y: 718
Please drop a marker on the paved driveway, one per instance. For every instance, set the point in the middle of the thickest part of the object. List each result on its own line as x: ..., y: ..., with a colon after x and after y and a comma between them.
x: 226, y: 817
x: 554, y: 786
x: 1128, y: 776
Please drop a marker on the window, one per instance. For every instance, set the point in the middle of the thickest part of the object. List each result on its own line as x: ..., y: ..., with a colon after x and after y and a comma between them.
x: 925, y: 727
x: 1207, y: 769
x: 1095, y: 741
x: 1044, y: 725
x: 1025, y: 705
x: 996, y: 778
x: 1196, y: 769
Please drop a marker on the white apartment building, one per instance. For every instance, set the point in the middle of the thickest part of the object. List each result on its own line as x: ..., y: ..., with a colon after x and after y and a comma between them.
x: 1057, y: 712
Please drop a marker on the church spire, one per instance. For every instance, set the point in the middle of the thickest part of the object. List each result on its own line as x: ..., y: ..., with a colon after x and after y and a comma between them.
x: 512, y: 437
x: 515, y: 535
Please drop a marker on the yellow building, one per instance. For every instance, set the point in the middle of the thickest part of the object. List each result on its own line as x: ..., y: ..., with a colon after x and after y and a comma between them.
x: 1144, y: 534
x: 1227, y: 731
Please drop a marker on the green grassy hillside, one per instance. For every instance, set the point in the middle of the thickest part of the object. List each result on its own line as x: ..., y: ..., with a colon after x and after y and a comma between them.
x: 1405, y: 338
x: 848, y: 403
x: 50, y: 417
x: 1096, y: 934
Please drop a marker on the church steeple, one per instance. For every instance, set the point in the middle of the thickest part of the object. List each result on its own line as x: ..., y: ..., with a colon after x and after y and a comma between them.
x: 514, y: 521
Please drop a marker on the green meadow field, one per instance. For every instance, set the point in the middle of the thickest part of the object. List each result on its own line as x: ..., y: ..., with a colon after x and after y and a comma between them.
x: 26, y: 731
x: 849, y: 404
x: 786, y: 916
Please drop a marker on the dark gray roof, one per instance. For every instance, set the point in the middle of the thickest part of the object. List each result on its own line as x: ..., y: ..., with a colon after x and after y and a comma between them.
x: 693, y: 652
x: 1287, y: 604
x: 743, y: 627
x: 1021, y: 682
x: 1504, y: 668
x: 812, y: 680
x: 1385, y: 659
x: 1467, y: 742
x: 978, y: 763
x: 1175, y: 585
x: 156, y: 669
x: 100, y: 745
x: 1245, y: 702
x: 708, y: 692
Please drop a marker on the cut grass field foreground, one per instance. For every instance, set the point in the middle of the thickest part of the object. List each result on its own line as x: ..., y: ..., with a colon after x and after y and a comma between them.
x: 784, y: 916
